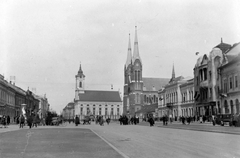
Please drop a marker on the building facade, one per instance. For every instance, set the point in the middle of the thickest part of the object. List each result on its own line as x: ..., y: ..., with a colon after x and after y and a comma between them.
x: 229, y: 89
x: 206, y: 81
x: 13, y: 99
x: 187, y: 94
x: 95, y: 102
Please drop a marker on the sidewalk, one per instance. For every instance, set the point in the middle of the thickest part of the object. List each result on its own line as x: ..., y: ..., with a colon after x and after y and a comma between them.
x: 11, y: 127
x: 196, y: 126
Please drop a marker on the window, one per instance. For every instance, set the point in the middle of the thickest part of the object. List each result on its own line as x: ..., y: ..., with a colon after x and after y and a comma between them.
x: 106, y: 111
x: 80, y: 84
x: 93, y: 111
x: 230, y: 83
x: 118, y: 111
x: 81, y: 111
x: 100, y: 111
x: 111, y: 111
x: 225, y: 85
x: 236, y: 81
x: 210, y: 75
x: 210, y: 92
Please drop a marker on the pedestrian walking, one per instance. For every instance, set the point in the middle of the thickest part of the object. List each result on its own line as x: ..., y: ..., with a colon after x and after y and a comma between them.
x: 30, y: 121
x: 22, y: 121
x: 3, y: 121
x: 77, y: 122
x: 8, y: 120
x: 108, y: 120
x: 151, y: 121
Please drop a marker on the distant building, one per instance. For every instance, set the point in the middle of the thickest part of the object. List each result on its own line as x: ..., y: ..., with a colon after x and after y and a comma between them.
x: 69, y: 112
x: 43, y: 106
x: 138, y: 91
x: 95, y: 102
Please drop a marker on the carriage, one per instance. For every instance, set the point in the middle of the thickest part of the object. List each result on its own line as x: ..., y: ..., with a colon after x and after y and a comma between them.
x: 88, y: 119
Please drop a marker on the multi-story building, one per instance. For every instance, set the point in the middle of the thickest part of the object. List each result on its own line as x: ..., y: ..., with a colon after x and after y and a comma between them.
x: 229, y: 88
x: 176, y: 98
x: 187, y: 94
x: 206, y: 79
x: 95, y: 102
x: 171, y: 97
x: 7, y: 98
x: 138, y: 91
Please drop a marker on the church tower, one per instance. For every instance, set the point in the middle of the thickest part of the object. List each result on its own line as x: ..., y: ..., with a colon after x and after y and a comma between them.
x: 133, y: 83
x: 137, y: 84
x: 80, y: 83
x: 127, y: 79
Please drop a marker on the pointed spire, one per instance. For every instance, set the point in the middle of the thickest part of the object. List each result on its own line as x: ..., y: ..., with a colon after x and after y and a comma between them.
x: 80, y: 69
x: 221, y: 40
x: 136, y: 50
x: 173, y: 72
x: 129, y: 55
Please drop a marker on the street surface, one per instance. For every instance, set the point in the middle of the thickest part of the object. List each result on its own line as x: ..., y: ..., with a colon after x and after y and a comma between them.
x: 114, y: 140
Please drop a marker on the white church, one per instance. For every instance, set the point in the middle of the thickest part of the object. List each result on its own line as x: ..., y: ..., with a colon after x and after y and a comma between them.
x: 95, y: 102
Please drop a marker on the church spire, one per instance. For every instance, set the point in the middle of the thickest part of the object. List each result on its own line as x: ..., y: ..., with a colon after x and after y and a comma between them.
x: 80, y: 69
x: 129, y: 55
x: 173, y: 72
x: 136, y: 50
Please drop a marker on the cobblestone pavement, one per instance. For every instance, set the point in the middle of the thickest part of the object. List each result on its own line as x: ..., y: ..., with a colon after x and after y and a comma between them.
x: 142, y: 141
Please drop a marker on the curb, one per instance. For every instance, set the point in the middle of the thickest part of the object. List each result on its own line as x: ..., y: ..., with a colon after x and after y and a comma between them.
x: 202, y: 130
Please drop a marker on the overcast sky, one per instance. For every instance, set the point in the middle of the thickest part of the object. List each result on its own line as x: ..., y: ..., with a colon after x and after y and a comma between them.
x: 43, y: 42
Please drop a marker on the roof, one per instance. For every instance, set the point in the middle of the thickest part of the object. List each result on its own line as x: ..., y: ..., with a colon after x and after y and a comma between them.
x: 148, y: 108
x: 223, y: 46
x: 69, y: 106
x: 179, y: 78
x: 154, y: 84
x: 100, y: 96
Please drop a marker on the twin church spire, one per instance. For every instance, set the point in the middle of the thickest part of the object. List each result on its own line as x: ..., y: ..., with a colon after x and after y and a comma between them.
x: 131, y: 59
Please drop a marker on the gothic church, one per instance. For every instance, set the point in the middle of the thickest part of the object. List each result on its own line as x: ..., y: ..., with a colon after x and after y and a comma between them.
x: 138, y: 91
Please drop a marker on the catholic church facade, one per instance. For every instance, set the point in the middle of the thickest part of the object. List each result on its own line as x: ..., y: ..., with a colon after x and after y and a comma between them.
x: 138, y: 91
x: 95, y: 102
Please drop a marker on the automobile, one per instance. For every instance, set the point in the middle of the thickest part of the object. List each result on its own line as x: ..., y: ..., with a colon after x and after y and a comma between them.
x: 223, y: 119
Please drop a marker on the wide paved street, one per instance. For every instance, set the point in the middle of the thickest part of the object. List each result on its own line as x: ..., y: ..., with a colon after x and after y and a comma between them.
x: 133, y: 141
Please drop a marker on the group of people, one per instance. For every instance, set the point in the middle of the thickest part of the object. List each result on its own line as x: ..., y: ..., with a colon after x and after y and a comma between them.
x: 124, y: 120
x: 5, y: 121
x: 31, y: 120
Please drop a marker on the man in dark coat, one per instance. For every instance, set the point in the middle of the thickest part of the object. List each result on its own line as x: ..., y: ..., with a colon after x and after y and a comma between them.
x: 151, y: 121
x: 30, y: 121
x: 8, y: 120
x: 77, y: 120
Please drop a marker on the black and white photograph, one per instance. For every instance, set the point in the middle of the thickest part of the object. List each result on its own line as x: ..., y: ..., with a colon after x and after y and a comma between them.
x: 120, y: 79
